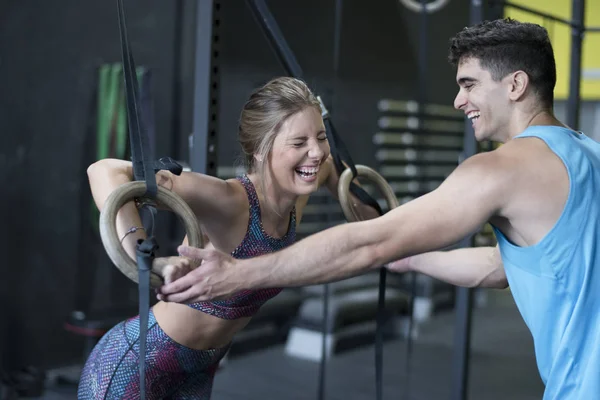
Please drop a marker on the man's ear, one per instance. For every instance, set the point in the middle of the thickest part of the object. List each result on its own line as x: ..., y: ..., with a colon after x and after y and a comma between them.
x: 517, y: 85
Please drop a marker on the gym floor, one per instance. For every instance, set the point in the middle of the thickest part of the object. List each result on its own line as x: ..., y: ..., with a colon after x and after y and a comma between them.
x: 502, y: 365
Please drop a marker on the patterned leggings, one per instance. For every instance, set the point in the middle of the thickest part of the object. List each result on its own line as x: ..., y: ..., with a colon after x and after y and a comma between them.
x: 173, y: 371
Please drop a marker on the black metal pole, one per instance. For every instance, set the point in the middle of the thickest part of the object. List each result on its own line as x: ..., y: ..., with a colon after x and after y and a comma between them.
x: 422, y: 55
x: 577, y: 31
x: 177, y: 81
x: 177, y: 88
x: 321, y: 386
x: 203, y: 146
x: 464, y: 296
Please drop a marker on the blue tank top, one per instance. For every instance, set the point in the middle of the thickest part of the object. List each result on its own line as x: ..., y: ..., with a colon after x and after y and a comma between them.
x: 256, y: 242
x: 556, y: 283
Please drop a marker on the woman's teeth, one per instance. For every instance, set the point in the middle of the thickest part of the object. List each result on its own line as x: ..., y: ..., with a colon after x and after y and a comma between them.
x: 307, y: 172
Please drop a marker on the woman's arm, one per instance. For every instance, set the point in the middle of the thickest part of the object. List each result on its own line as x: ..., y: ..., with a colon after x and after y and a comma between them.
x: 213, y: 200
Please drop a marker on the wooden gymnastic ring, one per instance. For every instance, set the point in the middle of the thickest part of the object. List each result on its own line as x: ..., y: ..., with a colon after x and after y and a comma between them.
x: 108, y: 229
x: 370, y: 174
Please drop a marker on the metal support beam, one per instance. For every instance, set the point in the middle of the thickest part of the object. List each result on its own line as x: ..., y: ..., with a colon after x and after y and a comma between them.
x: 270, y: 28
x: 423, y: 50
x: 464, y: 296
x: 203, y: 140
x: 577, y: 31
x: 176, y: 134
x: 462, y: 340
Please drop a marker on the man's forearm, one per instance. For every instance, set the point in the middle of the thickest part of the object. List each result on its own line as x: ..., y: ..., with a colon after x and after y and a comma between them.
x: 467, y: 267
x: 326, y: 256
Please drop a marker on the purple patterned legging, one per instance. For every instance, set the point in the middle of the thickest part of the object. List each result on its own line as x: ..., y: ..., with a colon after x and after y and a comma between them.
x: 173, y: 371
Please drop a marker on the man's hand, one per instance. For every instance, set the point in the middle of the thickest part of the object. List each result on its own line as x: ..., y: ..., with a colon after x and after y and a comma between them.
x: 215, y: 278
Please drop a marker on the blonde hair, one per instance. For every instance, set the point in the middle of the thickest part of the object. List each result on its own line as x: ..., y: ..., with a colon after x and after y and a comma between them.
x: 265, y: 112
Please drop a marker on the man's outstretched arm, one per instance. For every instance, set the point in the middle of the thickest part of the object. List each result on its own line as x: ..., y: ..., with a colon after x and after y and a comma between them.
x: 467, y: 267
x: 466, y: 200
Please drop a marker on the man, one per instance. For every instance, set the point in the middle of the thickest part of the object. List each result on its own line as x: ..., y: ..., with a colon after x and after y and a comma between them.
x: 538, y: 190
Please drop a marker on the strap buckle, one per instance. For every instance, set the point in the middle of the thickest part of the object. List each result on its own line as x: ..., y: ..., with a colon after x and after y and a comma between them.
x: 146, y: 250
x: 167, y: 163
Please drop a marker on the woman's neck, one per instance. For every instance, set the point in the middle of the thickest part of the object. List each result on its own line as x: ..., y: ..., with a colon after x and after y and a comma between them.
x: 275, y: 205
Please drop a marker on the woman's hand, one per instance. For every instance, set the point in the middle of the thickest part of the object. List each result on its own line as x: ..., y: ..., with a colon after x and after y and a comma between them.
x: 400, y: 266
x: 173, y: 268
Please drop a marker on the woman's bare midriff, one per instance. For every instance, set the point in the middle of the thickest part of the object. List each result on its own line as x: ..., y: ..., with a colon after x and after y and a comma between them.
x: 195, y: 329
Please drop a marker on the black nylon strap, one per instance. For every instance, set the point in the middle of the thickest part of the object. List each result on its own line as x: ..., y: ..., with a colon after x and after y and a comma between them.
x: 339, y: 153
x: 409, y: 342
x: 324, y: 342
x: 169, y: 164
x: 381, y: 319
x: 341, y: 156
x: 144, y: 170
x: 145, y: 252
x: 143, y: 167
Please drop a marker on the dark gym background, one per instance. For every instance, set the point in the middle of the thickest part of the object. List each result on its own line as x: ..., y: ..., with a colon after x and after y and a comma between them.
x: 52, y: 262
x: 50, y: 52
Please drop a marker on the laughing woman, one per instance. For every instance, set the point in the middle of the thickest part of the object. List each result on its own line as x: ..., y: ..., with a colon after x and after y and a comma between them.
x: 282, y: 135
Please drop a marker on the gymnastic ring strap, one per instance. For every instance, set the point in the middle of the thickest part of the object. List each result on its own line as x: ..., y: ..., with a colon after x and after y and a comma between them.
x: 351, y: 215
x: 342, y: 159
x: 348, y: 207
x: 142, y: 171
x: 145, y: 187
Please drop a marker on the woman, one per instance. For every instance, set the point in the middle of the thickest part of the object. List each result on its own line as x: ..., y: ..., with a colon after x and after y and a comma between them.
x: 283, y: 138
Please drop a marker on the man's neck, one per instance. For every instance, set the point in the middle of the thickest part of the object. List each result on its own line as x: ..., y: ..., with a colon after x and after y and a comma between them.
x: 540, y: 117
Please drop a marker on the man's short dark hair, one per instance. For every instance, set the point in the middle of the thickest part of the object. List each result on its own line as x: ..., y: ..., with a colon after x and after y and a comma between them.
x: 504, y: 46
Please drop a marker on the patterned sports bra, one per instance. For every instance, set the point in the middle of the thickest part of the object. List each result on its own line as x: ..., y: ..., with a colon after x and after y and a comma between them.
x: 256, y: 242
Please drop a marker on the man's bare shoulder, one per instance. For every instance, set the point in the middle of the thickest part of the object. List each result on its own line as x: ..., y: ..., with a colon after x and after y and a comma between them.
x: 523, y: 147
x: 539, y: 182
x: 491, y: 167
x: 500, y: 173
x: 528, y: 157
x: 514, y: 157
